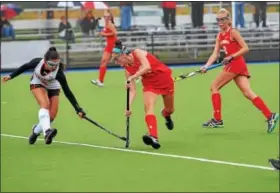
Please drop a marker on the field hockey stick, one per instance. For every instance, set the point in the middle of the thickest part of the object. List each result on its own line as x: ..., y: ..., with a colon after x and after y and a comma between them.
x: 127, y: 118
x: 103, y: 128
x: 188, y: 75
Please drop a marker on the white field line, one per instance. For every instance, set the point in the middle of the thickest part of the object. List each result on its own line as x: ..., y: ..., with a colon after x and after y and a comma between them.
x: 151, y: 153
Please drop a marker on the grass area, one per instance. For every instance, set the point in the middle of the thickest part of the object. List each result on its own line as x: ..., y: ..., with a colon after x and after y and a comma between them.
x: 62, y: 167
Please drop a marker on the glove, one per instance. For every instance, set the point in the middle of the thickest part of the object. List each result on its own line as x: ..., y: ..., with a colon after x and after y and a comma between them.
x: 81, y: 113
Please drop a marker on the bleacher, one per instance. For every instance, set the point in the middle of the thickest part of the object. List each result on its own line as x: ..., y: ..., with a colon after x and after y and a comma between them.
x: 178, y: 45
x: 182, y: 44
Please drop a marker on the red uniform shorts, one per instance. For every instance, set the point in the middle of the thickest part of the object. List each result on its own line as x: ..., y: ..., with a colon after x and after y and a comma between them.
x: 163, y: 85
x: 237, y: 66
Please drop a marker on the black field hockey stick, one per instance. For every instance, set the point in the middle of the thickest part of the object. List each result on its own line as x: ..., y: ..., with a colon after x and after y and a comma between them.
x: 103, y: 128
x: 188, y: 75
x: 127, y: 117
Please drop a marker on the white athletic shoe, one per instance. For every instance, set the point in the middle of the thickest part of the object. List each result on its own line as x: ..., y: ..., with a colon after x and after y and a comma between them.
x: 97, y: 83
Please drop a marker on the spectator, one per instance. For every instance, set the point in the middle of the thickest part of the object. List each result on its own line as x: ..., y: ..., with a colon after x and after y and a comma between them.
x: 65, y: 30
x: 7, y: 29
x: 89, y: 24
x: 239, y: 14
x: 260, y: 12
x: 126, y: 14
x: 169, y: 13
x: 197, y: 13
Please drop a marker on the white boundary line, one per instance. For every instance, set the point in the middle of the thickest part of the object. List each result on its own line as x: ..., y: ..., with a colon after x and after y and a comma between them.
x: 152, y: 153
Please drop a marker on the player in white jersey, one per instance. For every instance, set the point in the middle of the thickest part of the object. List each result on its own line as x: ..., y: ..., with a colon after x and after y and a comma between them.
x: 47, y: 78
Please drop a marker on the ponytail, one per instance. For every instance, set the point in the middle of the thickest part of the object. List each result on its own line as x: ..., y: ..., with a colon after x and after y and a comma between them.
x: 120, y: 48
x: 51, y: 54
x: 52, y: 49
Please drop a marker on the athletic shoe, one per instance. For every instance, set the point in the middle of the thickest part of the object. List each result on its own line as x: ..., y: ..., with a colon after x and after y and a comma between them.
x: 168, y: 121
x: 97, y: 83
x: 50, y: 134
x: 33, y: 137
x: 275, y: 163
x: 272, y: 122
x: 213, y: 123
x: 150, y: 140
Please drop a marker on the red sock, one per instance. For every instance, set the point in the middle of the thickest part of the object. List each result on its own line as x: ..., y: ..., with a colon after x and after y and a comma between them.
x: 217, y: 105
x: 258, y: 102
x: 165, y: 113
x: 102, y: 72
x: 151, y: 121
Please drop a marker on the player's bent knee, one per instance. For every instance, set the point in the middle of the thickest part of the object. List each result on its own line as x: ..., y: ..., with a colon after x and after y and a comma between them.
x: 214, y: 88
x: 149, y: 110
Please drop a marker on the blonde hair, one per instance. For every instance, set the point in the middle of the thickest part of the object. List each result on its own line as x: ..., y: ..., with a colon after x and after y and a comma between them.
x: 108, y: 12
x: 224, y: 11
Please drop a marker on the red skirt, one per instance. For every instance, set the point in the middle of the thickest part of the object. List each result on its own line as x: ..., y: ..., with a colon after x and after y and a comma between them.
x: 237, y: 66
x: 160, y: 85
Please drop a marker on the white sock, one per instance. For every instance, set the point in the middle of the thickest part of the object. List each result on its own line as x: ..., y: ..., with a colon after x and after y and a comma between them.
x: 44, y: 120
x: 38, y: 129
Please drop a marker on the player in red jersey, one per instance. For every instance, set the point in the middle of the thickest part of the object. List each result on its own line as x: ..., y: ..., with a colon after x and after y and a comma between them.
x: 235, y: 69
x: 156, y: 79
x: 110, y: 33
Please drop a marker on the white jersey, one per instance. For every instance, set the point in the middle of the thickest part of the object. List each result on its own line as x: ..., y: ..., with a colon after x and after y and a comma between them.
x: 48, y: 81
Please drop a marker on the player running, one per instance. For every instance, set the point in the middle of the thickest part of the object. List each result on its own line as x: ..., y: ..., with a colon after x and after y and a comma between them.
x: 45, y: 84
x: 110, y: 33
x: 235, y: 69
x: 156, y: 79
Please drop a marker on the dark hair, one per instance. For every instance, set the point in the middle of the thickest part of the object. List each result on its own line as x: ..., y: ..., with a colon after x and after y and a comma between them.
x: 118, y: 44
x: 51, y: 54
x: 123, y: 49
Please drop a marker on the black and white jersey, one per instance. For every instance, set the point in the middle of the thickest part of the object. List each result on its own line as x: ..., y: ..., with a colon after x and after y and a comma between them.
x: 50, y: 80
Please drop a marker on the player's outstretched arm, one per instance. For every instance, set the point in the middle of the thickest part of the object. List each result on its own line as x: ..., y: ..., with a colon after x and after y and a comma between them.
x: 27, y: 66
x: 214, y: 56
x: 68, y: 93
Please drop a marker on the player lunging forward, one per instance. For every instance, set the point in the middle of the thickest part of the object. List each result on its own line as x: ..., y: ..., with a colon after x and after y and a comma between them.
x: 45, y: 84
x: 156, y: 79
x: 235, y: 69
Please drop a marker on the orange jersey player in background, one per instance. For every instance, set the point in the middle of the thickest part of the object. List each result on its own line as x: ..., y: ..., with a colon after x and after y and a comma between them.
x: 156, y: 79
x: 110, y: 33
x: 235, y: 69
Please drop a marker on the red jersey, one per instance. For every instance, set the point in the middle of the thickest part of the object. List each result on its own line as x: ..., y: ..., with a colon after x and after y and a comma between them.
x: 158, y: 78
x: 230, y: 46
x: 110, y: 40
